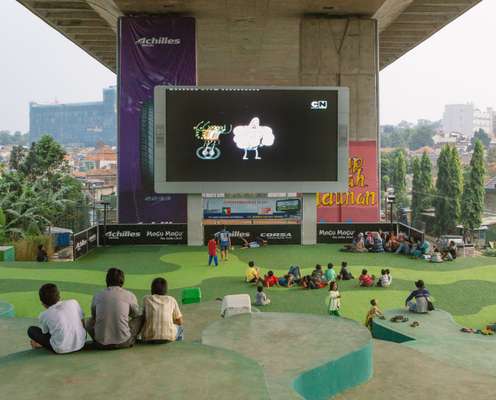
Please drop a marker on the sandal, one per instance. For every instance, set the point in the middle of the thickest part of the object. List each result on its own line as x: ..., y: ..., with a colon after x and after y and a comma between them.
x: 414, y: 324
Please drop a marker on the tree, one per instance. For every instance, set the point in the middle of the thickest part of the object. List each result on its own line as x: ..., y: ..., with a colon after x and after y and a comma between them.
x: 426, y: 190
x: 398, y: 179
x: 448, y: 190
x: 482, y: 136
x: 416, y: 190
x: 45, y: 158
x: 421, y: 137
x: 473, y: 190
x: 17, y: 157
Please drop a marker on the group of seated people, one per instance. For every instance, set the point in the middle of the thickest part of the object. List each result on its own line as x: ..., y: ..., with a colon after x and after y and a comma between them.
x: 366, y: 280
x: 116, y: 321
x: 379, y: 242
x: 316, y: 280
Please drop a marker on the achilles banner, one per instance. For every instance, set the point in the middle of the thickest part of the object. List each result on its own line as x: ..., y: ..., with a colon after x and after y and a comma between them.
x: 143, y: 234
x: 343, y: 233
x: 274, y: 234
x: 153, y: 50
x: 85, y: 241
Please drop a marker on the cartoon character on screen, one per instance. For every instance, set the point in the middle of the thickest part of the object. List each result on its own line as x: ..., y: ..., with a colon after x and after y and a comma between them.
x: 252, y: 136
x: 210, y: 135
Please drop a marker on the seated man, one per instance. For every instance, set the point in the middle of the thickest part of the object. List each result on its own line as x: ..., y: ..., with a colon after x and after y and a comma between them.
x: 62, y: 329
x: 404, y: 246
x: 421, y: 296
x: 162, y: 319
x: 115, y: 320
x: 252, y: 273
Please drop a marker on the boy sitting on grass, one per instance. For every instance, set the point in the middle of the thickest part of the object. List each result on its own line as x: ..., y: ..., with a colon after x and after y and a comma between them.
x: 365, y: 279
x: 270, y: 279
x: 261, y: 298
x: 62, y: 330
x: 252, y: 273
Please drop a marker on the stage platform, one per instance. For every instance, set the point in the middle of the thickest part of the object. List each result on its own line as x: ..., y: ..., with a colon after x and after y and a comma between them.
x: 439, y: 336
x: 258, y: 356
x: 315, y: 356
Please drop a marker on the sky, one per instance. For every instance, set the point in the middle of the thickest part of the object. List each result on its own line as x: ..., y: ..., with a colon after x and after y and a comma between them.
x: 456, y: 65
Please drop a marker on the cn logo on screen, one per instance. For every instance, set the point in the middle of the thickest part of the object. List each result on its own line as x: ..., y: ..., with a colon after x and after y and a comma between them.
x: 318, y: 105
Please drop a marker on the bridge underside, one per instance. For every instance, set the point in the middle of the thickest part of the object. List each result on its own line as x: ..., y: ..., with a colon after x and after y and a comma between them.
x: 402, y: 24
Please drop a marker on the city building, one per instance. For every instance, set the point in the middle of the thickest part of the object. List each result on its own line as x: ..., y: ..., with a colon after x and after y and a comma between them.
x: 459, y: 118
x: 82, y: 124
x: 465, y: 119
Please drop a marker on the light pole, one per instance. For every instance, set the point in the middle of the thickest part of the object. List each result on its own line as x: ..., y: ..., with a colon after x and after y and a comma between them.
x: 105, y: 204
x: 390, y: 200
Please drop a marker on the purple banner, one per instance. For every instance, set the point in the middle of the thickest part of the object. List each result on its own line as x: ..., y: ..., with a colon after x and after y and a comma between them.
x: 152, y: 51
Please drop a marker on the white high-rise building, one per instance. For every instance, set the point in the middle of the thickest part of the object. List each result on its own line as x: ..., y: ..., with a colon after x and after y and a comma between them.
x: 465, y: 119
x: 484, y: 120
x: 459, y: 118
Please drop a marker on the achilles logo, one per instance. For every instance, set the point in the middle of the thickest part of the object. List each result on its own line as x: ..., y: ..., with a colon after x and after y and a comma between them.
x: 277, y: 235
x: 122, y: 234
x: 240, y: 234
x: 151, y: 42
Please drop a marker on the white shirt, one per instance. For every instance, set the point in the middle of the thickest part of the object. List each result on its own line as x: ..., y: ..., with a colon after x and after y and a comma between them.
x: 333, y: 300
x: 63, y: 322
x: 386, y: 280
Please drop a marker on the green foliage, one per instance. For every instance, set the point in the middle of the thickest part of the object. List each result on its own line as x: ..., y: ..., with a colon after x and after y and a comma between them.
x: 416, y: 193
x: 406, y: 135
x: 17, y: 157
x: 448, y: 190
x: 473, y: 191
x: 482, y: 136
x: 421, y: 137
x: 426, y: 188
x: 17, y: 138
x: 398, y: 179
x: 39, y: 192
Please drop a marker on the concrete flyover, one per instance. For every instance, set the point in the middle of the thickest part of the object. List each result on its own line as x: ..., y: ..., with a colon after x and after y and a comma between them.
x: 402, y: 24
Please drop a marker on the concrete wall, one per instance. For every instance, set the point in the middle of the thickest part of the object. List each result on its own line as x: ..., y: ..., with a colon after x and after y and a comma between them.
x: 295, y: 51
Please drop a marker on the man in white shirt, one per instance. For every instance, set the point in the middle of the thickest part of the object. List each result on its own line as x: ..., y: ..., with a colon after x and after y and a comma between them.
x: 61, y: 325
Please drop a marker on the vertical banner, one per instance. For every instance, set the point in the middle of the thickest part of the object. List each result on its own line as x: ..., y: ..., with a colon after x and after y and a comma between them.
x: 152, y: 51
x: 361, y: 202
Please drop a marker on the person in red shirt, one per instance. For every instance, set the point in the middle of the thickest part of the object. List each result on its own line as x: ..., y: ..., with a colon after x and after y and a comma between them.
x: 270, y: 279
x: 365, y: 279
x: 212, y: 252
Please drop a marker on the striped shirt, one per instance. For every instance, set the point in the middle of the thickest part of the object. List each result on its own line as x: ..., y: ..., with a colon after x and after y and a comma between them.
x: 159, y: 314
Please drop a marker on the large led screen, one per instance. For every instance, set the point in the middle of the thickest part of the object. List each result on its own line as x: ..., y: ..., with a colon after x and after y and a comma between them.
x: 212, y: 139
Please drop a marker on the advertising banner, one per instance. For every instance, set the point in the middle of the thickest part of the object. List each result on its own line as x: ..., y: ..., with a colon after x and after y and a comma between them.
x: 252, y: 208
x: 343, y: 233
x: 273, y: 234
x: 153, y: 50
x: 135, y: 234
x: 85, y: 241
x: 361, y: 202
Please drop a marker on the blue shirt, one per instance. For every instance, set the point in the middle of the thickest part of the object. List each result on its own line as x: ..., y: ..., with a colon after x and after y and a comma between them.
x: 224, y: 236
x: 418, y: 293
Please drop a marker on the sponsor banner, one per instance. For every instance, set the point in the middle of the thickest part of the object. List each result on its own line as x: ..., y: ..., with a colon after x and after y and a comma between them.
x: 343, y: 233
x: 143, y: 234
x: 252, y: 208
x: 274, y: 234
x: 153, y: 50
x: 361, y: 202
x: 85, y: 241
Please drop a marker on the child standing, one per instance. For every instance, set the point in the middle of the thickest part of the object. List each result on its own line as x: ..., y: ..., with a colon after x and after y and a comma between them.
x: 261, y: 298
x: 212, y: 252
x: 334, y: 299
x: 373, y: 312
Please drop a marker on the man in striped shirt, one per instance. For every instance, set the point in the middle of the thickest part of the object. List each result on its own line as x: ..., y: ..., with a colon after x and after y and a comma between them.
x: 162, y: 318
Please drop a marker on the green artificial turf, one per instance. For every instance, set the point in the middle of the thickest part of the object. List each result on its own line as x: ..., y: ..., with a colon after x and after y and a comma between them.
x: 466, y: 287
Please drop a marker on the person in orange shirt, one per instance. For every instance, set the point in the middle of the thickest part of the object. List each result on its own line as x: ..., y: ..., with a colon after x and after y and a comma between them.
x: 270, y: 280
